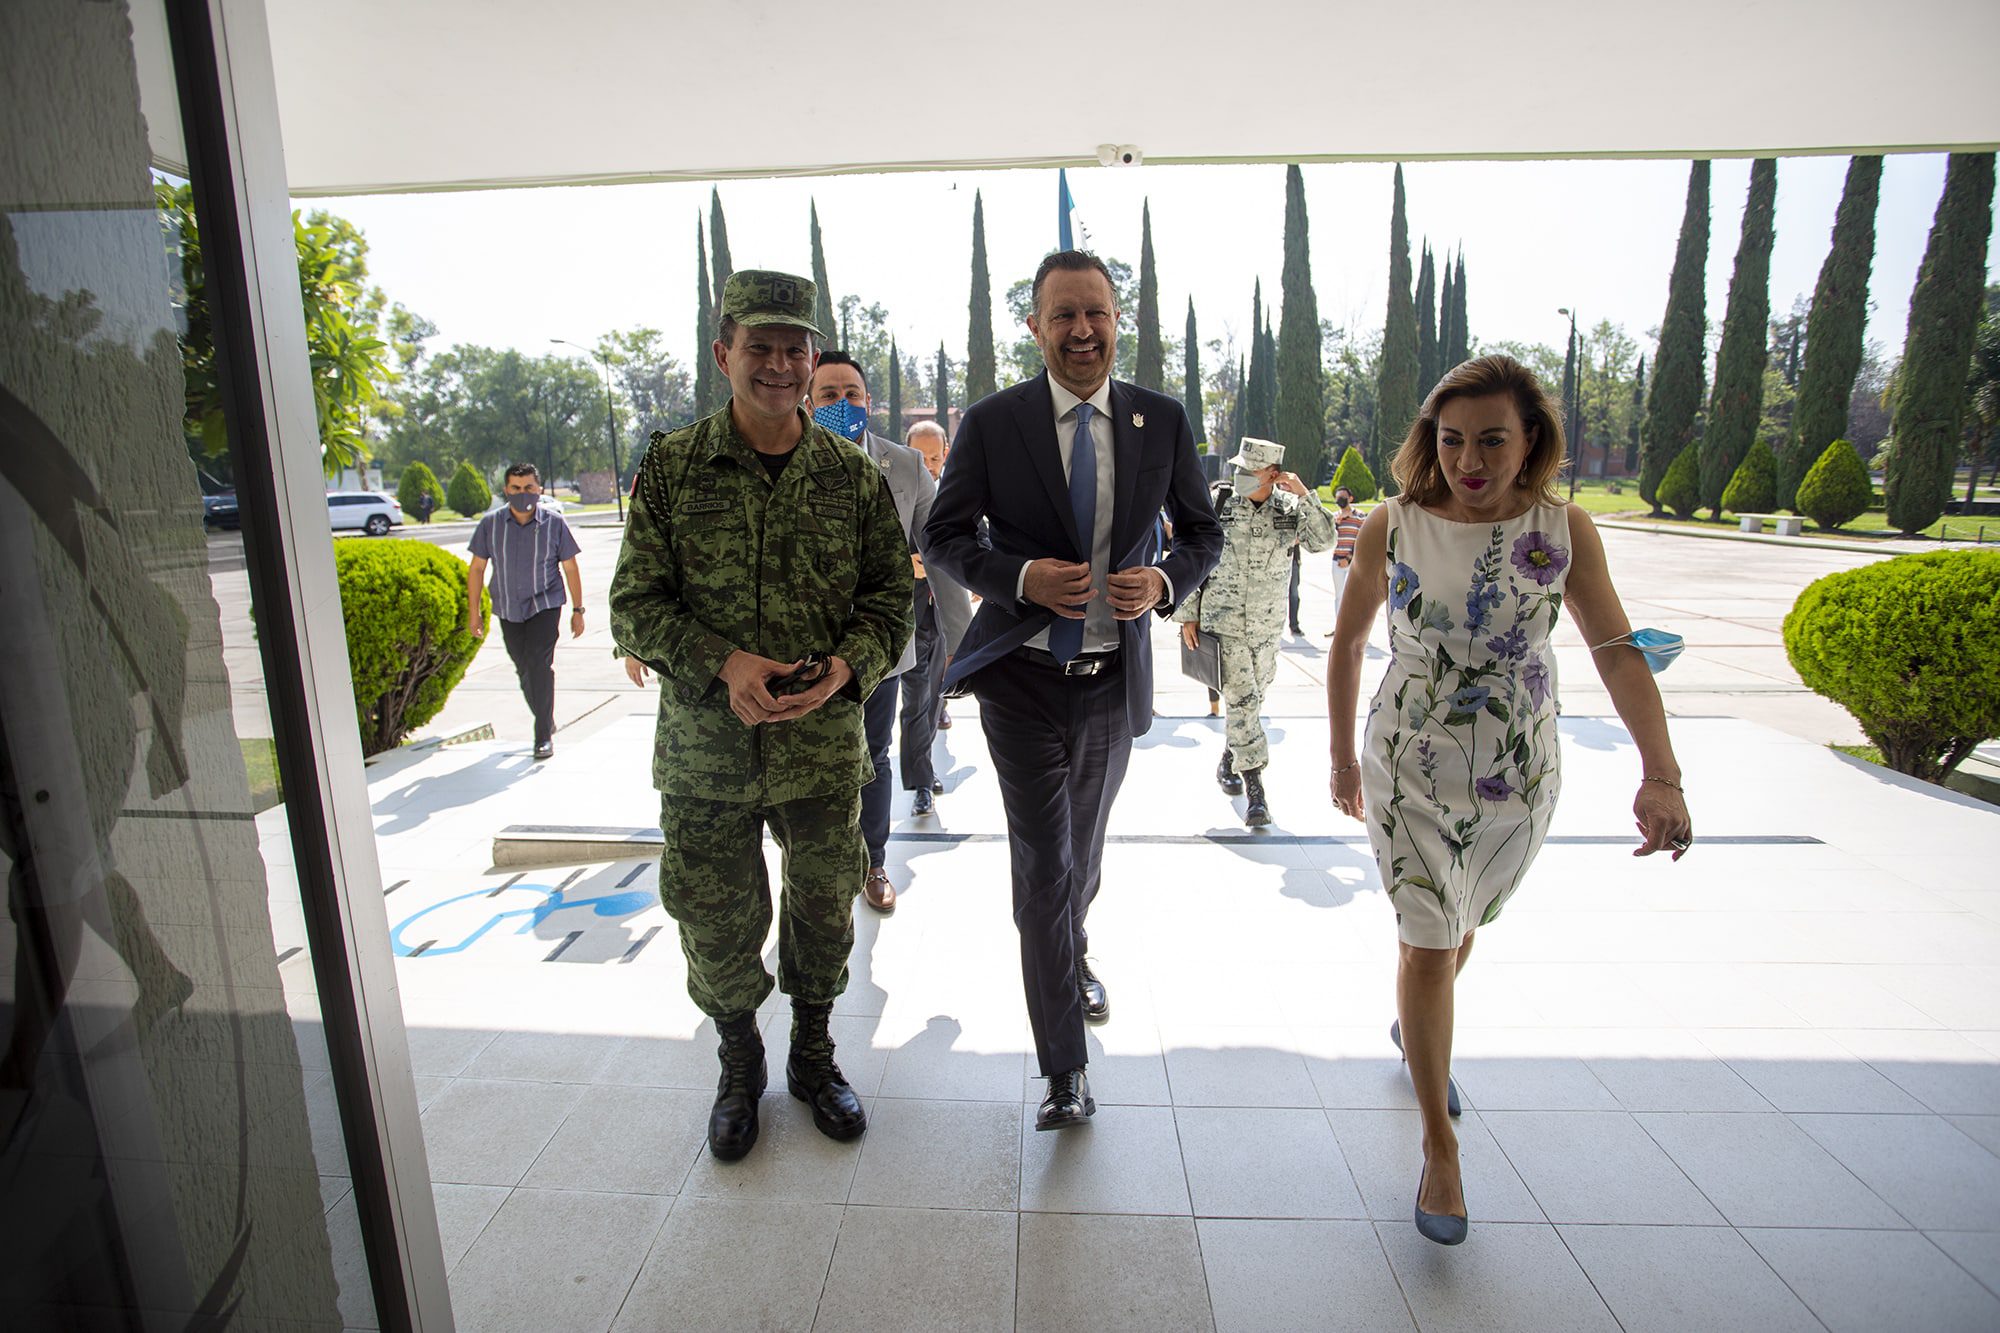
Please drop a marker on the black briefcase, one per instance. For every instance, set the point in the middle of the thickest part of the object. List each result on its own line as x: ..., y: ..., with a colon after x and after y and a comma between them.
x: 1204, y: 662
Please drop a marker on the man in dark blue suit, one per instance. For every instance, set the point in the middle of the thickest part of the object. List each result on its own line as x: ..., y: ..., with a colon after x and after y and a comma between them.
x: 1069, y: 471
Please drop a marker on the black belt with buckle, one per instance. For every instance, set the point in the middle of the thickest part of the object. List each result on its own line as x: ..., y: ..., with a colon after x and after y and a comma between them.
x: 1084, y: 664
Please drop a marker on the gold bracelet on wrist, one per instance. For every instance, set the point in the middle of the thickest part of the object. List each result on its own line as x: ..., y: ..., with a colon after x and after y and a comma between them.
x: 1344, y: 767
x: 1664, y: 782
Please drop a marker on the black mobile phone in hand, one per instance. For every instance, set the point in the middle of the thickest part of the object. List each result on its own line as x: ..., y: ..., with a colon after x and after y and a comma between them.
x: 808, y: 673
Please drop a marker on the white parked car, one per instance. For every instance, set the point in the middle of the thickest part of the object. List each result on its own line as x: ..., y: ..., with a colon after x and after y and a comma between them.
x: 371, y: 511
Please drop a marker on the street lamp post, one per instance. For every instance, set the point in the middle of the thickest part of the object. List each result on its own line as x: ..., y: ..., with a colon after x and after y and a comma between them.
x: 1573, y: 408
x: 610, y: 421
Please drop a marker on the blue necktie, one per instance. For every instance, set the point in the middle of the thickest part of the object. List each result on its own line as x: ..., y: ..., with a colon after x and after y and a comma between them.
x: 1066, y: 636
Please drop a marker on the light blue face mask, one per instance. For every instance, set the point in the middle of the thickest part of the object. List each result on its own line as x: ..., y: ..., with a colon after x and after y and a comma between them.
x: 845, y: 419
x: 1658, y: 647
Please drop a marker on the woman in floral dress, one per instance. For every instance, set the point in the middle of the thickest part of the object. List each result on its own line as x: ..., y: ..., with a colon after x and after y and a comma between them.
x: 1458, y: 774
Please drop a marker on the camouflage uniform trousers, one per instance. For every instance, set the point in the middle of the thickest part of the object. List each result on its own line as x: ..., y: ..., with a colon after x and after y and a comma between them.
x: 713, y: 884
x: 1248, y: 668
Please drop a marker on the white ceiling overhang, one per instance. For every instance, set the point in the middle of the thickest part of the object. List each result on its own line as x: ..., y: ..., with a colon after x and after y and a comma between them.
x: 403, y: 95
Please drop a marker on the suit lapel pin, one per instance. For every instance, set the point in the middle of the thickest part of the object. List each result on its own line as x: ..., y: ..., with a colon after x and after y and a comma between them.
x: 1139, y: 421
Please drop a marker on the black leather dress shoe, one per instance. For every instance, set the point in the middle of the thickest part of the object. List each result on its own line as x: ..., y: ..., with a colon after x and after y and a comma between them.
x: 922, y: 802
x: 1068, y: 1103
x: 732, y: 1122
x: 937, y: 786
x: 1091, y: 994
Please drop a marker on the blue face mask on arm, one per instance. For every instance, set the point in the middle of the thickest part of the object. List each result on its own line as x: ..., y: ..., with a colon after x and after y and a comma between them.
x: 845, y: 419
x: 1657, y: 646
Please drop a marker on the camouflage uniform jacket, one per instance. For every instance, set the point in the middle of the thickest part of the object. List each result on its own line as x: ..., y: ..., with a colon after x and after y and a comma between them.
x: 1248, y: 594
x: 718, y: 557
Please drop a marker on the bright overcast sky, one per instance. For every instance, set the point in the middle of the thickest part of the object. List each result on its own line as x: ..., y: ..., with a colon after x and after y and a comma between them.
x: 518, y: 267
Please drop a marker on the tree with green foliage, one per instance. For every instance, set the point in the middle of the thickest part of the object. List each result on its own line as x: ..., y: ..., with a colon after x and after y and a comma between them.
x: 1638, y: 417
x: 1571, y: 409
x: 1459, y: 349
x: 469, y: 493
x: 1191, y: 380
x: 1301, y: 381
x: 1753, y: 487
x: 1835, y: 327
x: 1429, y: 353
x: 1353, y: 473
x: 706, y: 374
x: 718, y: 242
x: 1836, y: 489
x: 895, y: 431
x: 417, y: 483
x: 1736, y: 407
x: 1396, y: 390
x: 1982, y: 394
x: 823, y: 305
x: 1444, y: 334
x: 1267, y: 379
x: 1927, y: 402
x: 981, y: 372
x: 1680, y: 361
x: 943, y: 387
x: 1911, y: 648
x: 1257, y: 408
x: 1149, y: 371
x: 403, y: 605
x: 1680, y: 489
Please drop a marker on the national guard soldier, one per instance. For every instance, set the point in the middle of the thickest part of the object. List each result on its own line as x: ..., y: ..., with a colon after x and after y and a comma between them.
x: 765, y: 577
x: 1266, y: 513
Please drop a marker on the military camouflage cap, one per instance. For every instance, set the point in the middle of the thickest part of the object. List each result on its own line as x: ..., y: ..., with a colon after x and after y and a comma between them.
x: 1256, y: 455
x: 754, y: 297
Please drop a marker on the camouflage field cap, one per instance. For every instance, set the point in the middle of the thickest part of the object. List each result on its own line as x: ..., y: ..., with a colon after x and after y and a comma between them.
x: 1255, y: 455
x: 754, y: 297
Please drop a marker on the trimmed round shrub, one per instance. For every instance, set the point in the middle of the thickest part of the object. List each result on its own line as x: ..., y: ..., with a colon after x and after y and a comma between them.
x: 419, y: 482
x: 404, y: 606
x: 1753, y: 488
x: 469, y: 493
x: 1353, y: 473
x: 1835, y: 489
x: 1680, y: 489
x: 1911, y: 647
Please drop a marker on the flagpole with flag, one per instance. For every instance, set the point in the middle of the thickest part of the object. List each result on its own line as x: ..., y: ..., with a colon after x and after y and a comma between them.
x: 1069, y: 224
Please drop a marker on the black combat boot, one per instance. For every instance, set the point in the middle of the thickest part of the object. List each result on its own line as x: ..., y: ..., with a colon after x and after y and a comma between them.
x: 816, y: 1080
x: 1256, y: 811
x: 732, y: 1123
x: 1225, y: 775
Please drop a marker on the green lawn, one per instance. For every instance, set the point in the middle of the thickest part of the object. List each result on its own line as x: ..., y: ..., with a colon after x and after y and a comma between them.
x: 260, y: 764
x: 1872, y: 524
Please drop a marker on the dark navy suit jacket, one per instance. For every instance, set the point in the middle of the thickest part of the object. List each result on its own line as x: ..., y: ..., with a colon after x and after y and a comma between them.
x: 1006, y: 468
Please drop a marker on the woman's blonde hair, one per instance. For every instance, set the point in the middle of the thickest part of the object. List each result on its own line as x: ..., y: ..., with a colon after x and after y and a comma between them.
x: 1415, y: 466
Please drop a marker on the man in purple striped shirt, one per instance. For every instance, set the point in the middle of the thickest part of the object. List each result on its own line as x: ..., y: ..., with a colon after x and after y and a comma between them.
x: 532, y: 554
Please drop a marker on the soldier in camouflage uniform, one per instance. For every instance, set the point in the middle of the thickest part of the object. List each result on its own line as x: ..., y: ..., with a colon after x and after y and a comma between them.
x: 1266, y: 513
x: 764, y: 575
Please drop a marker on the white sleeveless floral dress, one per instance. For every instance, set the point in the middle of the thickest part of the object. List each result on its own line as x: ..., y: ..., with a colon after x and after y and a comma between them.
x: 1460, y: 768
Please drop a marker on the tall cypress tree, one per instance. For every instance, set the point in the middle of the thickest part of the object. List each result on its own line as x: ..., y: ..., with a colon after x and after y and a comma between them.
x: 1678, y: 364
x: 1149, y: 370
x: 1237, y: 406
x: 704, y: 329
x: 1301, y: 383
x: 895, y: 392
x: 823, y: 307
x: 1428, y: 351
x: 943, y: 392
x: 718, y: 241
x: 1460, y: 347
x: 1267, y: 379
x: 1191, y: 380
x: 1444, y: 335
x: 1737, y: 403
x: 1835, y: 328
x: 1257, y: 409
x: 1572, y: 426
x: 980, y: 369
x: 1638, y: 416
x: 1927, y: 403
x: 1396, y: 400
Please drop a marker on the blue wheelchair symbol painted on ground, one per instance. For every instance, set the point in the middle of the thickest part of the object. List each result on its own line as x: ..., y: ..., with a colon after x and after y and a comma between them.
x: 537, y: 903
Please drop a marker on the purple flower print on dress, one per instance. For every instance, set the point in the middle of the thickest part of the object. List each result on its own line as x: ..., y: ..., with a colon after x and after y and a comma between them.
x: 1402, y: 585
x: 1512, y: 645
x: 1536, y: 677
x: 1539, y: 558
x: 1494, y: 788
x: 1479, y: 604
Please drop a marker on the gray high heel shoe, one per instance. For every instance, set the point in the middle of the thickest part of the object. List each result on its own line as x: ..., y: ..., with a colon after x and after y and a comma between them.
x: 1450, y: 1084
x: 1443, y: 1228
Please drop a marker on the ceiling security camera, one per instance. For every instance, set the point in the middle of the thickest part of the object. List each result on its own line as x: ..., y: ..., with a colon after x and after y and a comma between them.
x: 1120, y: 155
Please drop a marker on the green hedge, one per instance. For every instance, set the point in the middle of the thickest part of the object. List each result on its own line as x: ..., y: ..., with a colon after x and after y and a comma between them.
x: 1835, y: 489
x: 1680, y: 489
x: 1353, y: 473
x: 419, y: 481
x: 1911, y: 647
x: 1753, y: 489
x: 404, y: 606
x: 469, y: 493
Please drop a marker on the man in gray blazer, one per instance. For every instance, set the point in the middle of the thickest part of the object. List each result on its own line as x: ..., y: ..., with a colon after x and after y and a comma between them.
x: 838, y: 379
